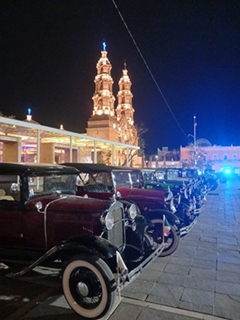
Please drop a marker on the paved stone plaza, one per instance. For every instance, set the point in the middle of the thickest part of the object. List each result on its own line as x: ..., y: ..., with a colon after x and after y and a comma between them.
x: 201, y: 280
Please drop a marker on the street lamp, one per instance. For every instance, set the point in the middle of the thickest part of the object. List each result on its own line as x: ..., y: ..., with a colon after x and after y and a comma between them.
x: 156, y: 161
x: 194, y: 136
x: 195, y: 139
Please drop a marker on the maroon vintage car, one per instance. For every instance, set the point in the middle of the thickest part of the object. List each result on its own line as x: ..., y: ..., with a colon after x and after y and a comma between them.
x: 102, y: 182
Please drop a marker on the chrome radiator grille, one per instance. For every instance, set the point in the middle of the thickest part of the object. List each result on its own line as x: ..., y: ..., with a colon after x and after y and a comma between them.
x: 117, y: 234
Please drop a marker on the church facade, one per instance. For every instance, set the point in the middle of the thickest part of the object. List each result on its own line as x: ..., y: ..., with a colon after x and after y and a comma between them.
x: 108, y: 122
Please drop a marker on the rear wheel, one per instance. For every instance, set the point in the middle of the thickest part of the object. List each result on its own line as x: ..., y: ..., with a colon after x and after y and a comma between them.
x: 89, y: 286
x: 171, y: 238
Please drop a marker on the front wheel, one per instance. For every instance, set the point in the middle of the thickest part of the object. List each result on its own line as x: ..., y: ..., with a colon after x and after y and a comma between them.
x: 89, y: 286
x: 171, y: 238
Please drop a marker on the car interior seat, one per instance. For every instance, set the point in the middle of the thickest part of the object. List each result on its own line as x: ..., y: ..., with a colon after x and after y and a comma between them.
x: 3, y: 196
x: 2, y: 192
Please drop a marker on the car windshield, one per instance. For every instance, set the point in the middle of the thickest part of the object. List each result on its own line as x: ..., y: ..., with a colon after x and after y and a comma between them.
x: 173, y: 174
x: 122, y: 178
x: 160, y: 175
x: 40, y: 185
x: 95, y: 181
x: 149, y: 176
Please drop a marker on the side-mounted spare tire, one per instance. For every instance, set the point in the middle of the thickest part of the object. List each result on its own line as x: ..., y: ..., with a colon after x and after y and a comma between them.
x: 89, y: 286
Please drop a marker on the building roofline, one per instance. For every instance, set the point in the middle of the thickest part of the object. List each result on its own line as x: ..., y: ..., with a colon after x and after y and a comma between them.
x: 65, y: 132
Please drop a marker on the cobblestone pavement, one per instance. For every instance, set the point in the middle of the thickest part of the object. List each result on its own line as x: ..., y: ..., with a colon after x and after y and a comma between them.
x: 201, y: 280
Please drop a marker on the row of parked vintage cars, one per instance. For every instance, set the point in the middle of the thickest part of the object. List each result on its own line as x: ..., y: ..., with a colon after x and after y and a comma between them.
x: 100, y: 225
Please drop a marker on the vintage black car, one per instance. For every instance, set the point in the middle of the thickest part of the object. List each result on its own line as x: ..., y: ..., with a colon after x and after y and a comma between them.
x: 42, y: 222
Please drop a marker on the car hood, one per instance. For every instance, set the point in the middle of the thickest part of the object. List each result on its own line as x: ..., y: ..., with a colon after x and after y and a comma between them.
x: 68, y: 203
x: 128, y: 192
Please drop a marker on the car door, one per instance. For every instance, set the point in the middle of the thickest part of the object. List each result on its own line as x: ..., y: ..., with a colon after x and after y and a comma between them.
x: 33, y: 218
x: 10, y: 213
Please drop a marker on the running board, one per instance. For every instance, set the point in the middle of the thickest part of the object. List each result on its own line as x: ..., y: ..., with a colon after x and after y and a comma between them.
x: 136, y: 272
x: 199, y: 210
x: 185, y: 230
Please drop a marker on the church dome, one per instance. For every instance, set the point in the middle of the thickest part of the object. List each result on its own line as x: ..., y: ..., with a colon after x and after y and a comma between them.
x: 203, y: 143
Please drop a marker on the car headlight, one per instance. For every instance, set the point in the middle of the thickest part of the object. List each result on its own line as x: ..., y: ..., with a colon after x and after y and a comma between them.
x: 178, y: 199
x: 171, y: 206
x: 119, y: 194
x: 39, y: 205
x: 169, y: 202
x: 109, y: 221
x: 132, y: 211
x: 168, y: 196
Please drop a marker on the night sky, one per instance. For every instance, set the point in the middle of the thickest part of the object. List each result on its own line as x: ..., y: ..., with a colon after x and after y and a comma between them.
x: 189, y: 64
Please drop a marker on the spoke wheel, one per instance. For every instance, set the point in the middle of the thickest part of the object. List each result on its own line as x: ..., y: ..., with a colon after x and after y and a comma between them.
x: 89, y: 286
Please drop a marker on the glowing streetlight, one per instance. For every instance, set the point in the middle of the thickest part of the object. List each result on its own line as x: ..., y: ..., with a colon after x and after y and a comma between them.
x: 194, y: 136
x: 156, y: 157
x: 195, y: 139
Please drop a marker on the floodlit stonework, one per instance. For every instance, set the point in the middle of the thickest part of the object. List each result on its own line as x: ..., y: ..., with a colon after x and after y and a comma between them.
x: 109, y: 123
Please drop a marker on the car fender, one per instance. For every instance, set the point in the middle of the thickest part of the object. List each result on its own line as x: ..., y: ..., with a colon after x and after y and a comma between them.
x: 171, y: 217
x: 89, y: 244
x: 85, y: 244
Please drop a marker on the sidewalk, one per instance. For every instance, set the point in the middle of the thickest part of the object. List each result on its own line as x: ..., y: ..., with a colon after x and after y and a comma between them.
x: 201, y: 280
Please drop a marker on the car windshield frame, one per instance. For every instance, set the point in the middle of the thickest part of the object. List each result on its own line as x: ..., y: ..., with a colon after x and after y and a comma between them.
x: 45, y: 184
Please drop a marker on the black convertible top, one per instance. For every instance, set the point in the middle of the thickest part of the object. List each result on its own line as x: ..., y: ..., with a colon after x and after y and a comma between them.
x: 90, y: 167
x: 35, y: 168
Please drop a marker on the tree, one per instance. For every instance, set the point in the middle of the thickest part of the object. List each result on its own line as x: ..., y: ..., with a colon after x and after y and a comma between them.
x: 105, y: 157
x: 138, y: 140
x: 10, y: 117
x: 5, y: 127
x: 197, y: 159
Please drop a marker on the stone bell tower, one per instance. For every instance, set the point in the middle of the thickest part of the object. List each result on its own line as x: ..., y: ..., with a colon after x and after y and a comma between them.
x: 127, y: 132
x: 103, y: 123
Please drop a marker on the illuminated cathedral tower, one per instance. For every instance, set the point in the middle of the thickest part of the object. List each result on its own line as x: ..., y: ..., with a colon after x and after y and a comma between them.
x: 102, y: 123
x: 126, y: 130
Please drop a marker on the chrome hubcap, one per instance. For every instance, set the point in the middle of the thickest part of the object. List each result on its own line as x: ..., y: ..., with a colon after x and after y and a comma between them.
x: 82, y: 289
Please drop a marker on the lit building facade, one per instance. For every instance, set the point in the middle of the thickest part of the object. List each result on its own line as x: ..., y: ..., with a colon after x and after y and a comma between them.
x: 215, y: 156
x: 127, y: 132
x: 164, y: 158
x: 106, y: 122
x: 103, y: 123
x: 28, y: 141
